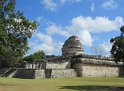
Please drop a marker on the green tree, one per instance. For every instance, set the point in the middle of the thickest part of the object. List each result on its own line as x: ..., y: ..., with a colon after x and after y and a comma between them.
x: 117, y: 50
x: 15, y: 29
x: 37, y: 56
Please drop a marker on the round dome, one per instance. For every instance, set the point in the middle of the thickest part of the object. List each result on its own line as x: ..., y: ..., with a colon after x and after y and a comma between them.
x: 72, y: 46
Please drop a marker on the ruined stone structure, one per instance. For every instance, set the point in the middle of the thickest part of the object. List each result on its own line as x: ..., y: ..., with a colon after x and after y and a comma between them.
x: 72, y: 46
x: 72, y: 63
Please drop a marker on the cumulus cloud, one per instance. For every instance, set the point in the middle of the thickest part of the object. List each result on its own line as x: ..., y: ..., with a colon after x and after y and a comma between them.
x: 46, y: 43
x: 99, y: 24
x: 110, y: 4
x: 54, y: 29
x: 85, y: 37
x: 80, y: 26
x: 53, y: 5
x: 45, y: 38
x: 42, y: 42
x: 46, y: 48
x: 84, y: 26
x: 102, y: 49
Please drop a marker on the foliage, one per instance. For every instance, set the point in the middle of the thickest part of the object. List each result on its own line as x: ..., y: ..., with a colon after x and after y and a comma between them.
x: 117, y: 50
x: 15, y: 29
x: 37, y: 56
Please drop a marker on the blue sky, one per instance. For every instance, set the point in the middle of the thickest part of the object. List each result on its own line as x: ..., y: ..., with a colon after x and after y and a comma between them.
x: 93, y: 21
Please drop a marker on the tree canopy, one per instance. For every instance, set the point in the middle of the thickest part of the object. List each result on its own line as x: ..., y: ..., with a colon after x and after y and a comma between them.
x: 15, y: 29
x: 37, y: 56
x: 117, y: 50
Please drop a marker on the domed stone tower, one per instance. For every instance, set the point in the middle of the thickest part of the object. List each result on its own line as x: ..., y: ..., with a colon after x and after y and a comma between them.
x: 72, y: 46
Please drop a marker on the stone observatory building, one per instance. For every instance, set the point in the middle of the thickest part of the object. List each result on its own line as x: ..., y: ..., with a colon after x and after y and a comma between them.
x: 72, y: 46
x: 72, y: 63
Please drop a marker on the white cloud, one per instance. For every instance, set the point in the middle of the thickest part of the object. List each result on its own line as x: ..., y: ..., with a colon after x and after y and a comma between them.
x: 83, y: 26
x: 92, y: 8
x: 53, y: 29
x: 85, y: 37
x: 45, y: 38
x: 80, y: 26
x: 105, y: 48
x: 49, y: 50
x: 110, y: 4
x: 99, y: 24
x: 101, y: 49
x: 58, y: 47
x: 69, y: 1
x: 49, y: 4
x: 53, y: 5
x: 42, y: 42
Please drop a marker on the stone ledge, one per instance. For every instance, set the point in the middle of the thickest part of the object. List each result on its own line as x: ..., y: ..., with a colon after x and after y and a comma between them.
x: 96, y: 61
x: 94, y: 57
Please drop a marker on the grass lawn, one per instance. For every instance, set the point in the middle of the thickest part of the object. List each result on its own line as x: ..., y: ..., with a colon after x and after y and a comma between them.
x: 63, y: 84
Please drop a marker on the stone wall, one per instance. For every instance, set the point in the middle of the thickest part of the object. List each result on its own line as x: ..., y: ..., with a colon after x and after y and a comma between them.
x: 46, y: 73
x: 90, y: 70
x: 58, y: 65
x: 39, y: 73
x: 61, y: 73
x: 69, y: 67
x: 100, y: 71
x: 35, y: 65
x: 97, y: 68
x: 30, y: 73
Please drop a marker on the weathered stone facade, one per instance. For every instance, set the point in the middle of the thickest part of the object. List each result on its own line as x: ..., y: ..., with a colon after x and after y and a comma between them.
x: 97, y: 67
x: 29, y: 73
x: 44, y: 73
x: 72, y: 46
x: 72, y: 63
x: 61, y: 73
x: 97, y: 70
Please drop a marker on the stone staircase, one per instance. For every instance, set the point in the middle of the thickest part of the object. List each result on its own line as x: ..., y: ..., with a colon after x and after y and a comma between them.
x: 9, y: 73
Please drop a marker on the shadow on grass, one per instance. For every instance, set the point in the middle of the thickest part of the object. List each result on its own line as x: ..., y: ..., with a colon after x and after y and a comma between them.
x: 93, y: 88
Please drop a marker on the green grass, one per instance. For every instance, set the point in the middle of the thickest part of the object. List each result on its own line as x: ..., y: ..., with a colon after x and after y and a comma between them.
x: 63, y: 84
